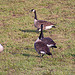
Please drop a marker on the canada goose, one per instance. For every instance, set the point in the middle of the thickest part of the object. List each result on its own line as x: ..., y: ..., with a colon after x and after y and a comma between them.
x: 41, y: 47
x: 1, y: 48
x: 48, y: 41
x: 37, y: 23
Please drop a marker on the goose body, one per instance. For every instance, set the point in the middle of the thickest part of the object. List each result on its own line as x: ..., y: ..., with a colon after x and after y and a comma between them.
x: 1, y: 48
x: 46, y: 24
x: 48, y: 41
x: 41, y: 47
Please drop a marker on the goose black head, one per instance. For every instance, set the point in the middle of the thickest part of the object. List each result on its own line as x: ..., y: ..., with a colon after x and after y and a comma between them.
x: 32, y: 10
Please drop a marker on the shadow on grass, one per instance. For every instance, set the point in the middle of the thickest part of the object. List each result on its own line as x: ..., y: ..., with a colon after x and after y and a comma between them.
x: 73, y: 55
x: 28, y: 30
x: 30, y: 49
x: 28, y: 55
x: 31, y: 31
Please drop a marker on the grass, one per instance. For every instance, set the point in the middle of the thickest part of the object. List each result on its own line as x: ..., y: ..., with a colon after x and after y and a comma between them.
x: 18, y: 34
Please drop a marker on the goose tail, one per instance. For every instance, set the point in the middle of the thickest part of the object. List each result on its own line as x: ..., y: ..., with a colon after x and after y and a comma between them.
x: 49, y: 53
x: 54, y: 46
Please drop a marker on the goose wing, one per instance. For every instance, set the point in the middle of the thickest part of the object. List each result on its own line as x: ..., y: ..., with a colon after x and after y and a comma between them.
x: 48, y: 41
x: 45, y: 23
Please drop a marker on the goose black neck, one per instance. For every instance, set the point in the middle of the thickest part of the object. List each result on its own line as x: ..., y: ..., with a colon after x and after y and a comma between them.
x: 41, y: 34
x: 35, y: 15
x: 42, y: 31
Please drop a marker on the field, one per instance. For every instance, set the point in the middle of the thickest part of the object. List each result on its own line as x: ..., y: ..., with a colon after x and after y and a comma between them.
x: 18, y: 34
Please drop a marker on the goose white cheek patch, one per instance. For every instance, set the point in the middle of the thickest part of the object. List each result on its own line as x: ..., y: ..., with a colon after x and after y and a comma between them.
x: 33, y: 10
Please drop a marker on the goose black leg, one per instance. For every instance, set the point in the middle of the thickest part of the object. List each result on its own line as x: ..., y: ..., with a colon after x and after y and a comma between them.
x: 52, y: 49
x: 42, y: 55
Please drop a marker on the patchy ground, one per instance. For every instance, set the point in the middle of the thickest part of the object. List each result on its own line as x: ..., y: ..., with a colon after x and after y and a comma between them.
x: 18, y: 34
